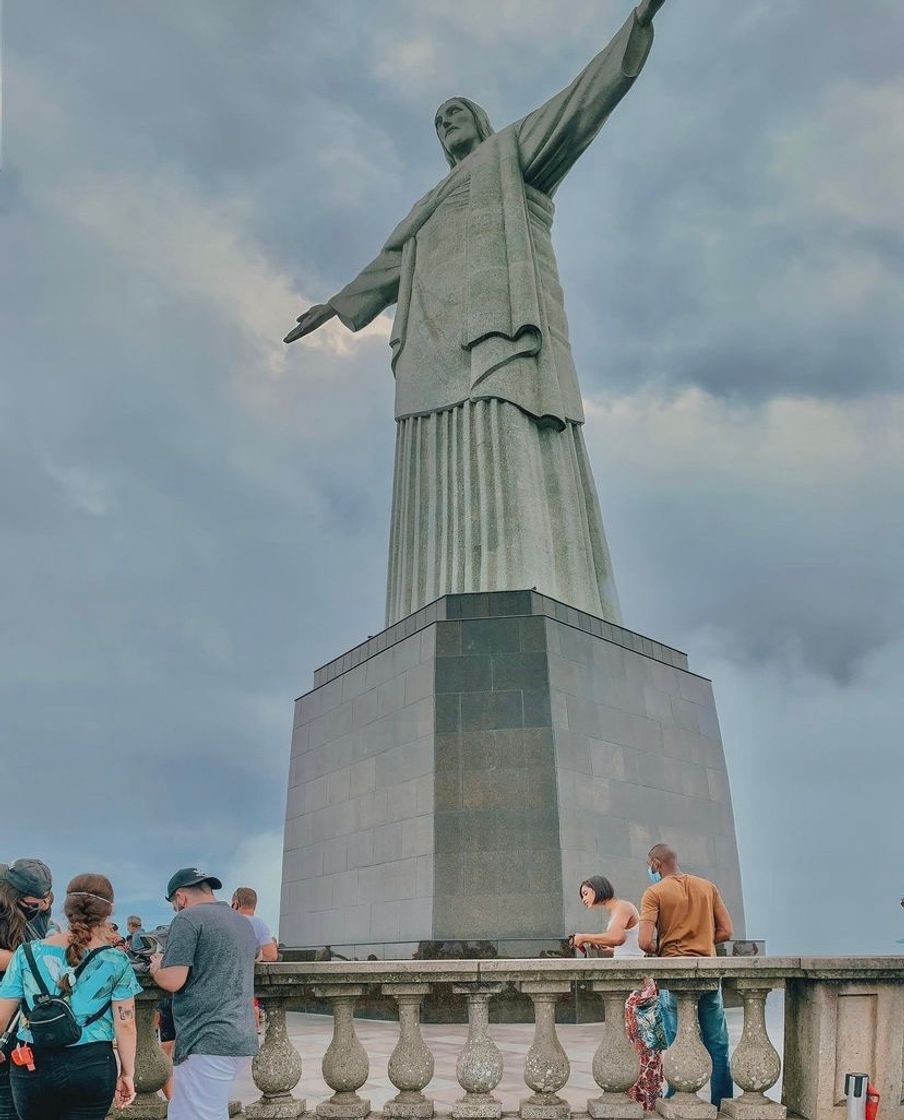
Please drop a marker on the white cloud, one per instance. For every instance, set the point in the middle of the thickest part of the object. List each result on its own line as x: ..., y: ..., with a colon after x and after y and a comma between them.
x: 847, y: 160
x: 794, y: 442
x: 86, y: 490
x: 257, y: 863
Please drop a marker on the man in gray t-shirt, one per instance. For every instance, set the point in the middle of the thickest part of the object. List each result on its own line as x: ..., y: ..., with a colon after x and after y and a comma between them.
x: 209, y: 967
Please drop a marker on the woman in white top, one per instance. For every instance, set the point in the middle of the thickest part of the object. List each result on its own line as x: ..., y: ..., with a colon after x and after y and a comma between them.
x: 620, y: 940
x: 620, y: 937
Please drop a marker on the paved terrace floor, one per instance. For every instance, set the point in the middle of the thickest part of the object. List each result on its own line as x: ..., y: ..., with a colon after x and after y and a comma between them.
x: 311, y: 1035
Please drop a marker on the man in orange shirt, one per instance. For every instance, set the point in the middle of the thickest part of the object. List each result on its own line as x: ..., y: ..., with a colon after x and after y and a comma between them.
x: 684, y: 916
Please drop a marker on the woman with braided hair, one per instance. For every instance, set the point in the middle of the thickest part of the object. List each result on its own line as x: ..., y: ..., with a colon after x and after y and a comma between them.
x: 79, y: 1081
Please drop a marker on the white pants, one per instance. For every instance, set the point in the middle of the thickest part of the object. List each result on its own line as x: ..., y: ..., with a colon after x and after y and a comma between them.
x: 201, y: 1087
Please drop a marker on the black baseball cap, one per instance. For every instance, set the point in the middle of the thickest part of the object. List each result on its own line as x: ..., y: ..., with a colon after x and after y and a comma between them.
x: 190, y: 877
x: 30, y: 877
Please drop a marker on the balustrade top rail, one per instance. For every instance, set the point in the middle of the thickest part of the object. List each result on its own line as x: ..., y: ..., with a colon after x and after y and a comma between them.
x: 567, y: 969
x: 841, y: 1014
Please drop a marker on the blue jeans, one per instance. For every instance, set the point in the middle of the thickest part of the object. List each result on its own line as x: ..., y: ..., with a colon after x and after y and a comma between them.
x: 714, y: 1032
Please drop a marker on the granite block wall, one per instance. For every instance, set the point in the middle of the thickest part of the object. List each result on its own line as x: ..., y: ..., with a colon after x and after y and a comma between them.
x: 457, y: 775
x: 358, y: 854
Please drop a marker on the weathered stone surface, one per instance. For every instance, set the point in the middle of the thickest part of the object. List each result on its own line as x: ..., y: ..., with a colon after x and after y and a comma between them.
x: 480, y: 1064
x: 615, y: 1064
x: 686, y: 1065
x: 345, y: 1063
x: 839, y: 1017
x: 755, y: 1064
x: 411, y: 1062
x: 276, y: 1070
x: 546, y: 1065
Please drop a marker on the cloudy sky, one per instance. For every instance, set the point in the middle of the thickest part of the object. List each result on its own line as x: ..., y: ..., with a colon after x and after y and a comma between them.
x: 194, y: 517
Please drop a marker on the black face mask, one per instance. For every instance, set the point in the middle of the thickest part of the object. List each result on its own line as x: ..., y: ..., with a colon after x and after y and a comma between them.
x: 38, y: 920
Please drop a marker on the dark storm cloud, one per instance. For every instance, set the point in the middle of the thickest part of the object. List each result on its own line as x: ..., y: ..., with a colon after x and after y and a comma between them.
x: 199, y: 518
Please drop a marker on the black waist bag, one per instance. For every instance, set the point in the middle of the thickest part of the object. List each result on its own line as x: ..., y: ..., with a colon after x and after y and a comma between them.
x: 50, y: 1019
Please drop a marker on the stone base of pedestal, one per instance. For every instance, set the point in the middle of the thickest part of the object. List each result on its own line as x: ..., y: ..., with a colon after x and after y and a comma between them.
x: 276, y: 1108
x: 614, y: 1106
x: 535, y: 1108
x: 477, y: 1106
x: 686, y: 1106
x: 485, y: 737
x: 408, y: 1110
x: 235, y: 1108
x: 354, y: 1110
x: 741, y: 1109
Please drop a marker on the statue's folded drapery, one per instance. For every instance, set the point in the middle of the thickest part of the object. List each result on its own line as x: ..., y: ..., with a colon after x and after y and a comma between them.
x: 481, y: 319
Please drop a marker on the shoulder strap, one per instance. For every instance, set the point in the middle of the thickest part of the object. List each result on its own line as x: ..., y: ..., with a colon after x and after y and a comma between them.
x: 98, y: 1014
x: 87, y: 959
x: 33, y: 965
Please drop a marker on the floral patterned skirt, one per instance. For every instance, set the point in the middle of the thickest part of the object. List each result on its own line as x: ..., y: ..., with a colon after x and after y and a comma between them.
x: 648, y: 1087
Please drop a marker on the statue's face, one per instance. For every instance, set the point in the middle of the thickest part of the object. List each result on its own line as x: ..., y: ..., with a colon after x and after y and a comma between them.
x: 456, y: 128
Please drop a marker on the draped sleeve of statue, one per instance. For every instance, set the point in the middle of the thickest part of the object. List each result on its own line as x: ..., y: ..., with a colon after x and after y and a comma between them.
x: 374, y: 288
x: 553, y: 137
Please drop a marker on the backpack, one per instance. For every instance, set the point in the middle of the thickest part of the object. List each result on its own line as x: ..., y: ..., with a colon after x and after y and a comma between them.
x: 51, y: 1020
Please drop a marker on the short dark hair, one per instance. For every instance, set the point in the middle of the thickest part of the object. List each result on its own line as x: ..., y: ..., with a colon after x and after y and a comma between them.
x: 245, y: 896
x: 601, y: 887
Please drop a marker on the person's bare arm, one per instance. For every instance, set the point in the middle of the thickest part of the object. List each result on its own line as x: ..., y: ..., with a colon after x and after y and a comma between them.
x: 646, y: 936
x: 6, y: 955
x: 723, y: 930
x: 614, y: 935
x: 268, y: 953
x: 171, y: 979
x: 8, y: 1008
x: 126, y: 1043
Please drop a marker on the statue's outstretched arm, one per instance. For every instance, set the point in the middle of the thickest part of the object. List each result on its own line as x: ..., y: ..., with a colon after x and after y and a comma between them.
x: 553, y: 137
x: 373, y: 290
x: 646, y: 9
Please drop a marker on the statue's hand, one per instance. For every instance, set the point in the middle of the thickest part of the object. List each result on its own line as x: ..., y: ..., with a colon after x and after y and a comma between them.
x: 313, y: 318
x: 646, y: 9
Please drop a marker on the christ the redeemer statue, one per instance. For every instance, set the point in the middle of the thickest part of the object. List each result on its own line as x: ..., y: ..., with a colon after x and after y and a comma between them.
x: 493, y: 489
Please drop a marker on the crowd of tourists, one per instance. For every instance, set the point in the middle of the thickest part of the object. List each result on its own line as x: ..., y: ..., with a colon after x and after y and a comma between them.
x: 67, y: 995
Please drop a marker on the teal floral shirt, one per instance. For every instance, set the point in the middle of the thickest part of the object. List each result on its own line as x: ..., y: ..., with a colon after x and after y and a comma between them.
x: 109, y: 976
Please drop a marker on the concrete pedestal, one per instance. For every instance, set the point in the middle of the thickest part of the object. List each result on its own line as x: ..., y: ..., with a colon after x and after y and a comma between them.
x: 457, y: 775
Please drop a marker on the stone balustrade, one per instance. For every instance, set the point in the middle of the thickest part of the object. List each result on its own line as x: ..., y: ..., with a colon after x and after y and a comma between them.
x: 841, y: 1014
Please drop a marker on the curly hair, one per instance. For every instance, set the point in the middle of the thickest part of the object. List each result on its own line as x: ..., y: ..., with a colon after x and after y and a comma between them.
x: 12, y: 920
x: 88, y: 905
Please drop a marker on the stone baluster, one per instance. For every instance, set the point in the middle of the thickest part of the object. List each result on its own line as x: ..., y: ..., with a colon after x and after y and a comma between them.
x: 411, y: 1063
x: 546, y: 1066
x: 686, y: 1064
x: 345, y: 1064
x: 276, y: 1069
x: 480, y: 1064
x: 152, y: 1066
x: 616, y: 1065
x: 755, y: 1064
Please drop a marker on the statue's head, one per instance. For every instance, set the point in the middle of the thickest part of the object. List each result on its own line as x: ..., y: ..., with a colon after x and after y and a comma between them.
x: 461, y: 125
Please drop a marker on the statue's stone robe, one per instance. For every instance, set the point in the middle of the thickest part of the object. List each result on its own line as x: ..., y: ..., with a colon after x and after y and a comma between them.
x: 493, y: 489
